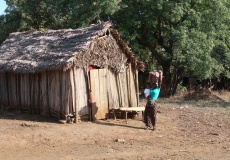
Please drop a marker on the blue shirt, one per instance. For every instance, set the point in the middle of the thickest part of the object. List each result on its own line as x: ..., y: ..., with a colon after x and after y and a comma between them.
x: 154, y: 93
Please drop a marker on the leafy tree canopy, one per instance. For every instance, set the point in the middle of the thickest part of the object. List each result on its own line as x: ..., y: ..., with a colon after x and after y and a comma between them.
x: 182, y: 37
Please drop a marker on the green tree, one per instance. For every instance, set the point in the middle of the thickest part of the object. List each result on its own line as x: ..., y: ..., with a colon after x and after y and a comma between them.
x: 9, y: 23
x: 181, y: 35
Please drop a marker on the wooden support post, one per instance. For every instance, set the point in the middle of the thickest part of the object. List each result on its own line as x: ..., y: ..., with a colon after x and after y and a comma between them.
x: 126, y: 116
x: 76, y: 116
x: 114, y: 115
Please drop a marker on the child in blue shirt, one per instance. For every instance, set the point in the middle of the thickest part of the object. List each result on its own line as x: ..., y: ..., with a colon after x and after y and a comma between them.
x: 150, y: 108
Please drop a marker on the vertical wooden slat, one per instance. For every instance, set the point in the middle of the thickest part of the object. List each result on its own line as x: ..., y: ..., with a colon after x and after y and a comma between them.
x: 94, y: 92
x: 130, y: 85
x: 65, y: 92
x: 18, y: 91
x: 88, y: 92
x: 123, y: 90
x: 47, y: 93
x: 82, y: 98
x: 63, y: 110
x: 85, y: 91
x: 76, y: 100
x: 72, y: 93
x: 7, y: 89
x: 103, y: 98
x: 22, y: 95
x: 137, y: 86
x: 60, y: 115
x: 133, y: 97
x: 112, y: 91
x: 99, y: 93
x: 58, y: 94
x: 68, y: 89
x: 134, y: 93
x: 31, y: 94
x: 37, y: 93
x: 43, y: 92
x: 3, y: 91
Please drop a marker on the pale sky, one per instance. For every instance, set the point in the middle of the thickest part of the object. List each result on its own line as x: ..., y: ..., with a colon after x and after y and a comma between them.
x: 2, y: 6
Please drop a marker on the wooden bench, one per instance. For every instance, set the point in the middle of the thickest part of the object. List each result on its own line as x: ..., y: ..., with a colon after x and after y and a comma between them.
x: 126, y: 110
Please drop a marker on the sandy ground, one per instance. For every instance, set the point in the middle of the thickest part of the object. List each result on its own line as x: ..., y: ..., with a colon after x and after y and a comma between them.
x: 184, y: 132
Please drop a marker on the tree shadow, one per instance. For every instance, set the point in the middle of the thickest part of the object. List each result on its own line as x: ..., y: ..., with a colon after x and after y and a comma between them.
x: 126, y: 125
x: 18, y: 115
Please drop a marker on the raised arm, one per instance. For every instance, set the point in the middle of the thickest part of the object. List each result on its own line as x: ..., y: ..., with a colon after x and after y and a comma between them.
x: 150, y: 76
x: 160, y: 78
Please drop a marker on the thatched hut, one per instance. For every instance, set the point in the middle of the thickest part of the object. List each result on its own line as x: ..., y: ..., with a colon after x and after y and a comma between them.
x: 58, y: 72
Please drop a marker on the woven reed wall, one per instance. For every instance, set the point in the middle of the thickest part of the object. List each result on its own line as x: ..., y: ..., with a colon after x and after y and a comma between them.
x: 51, y: 93
x: 58, y: 93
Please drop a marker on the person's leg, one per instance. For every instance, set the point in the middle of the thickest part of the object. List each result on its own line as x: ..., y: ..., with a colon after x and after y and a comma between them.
x: 147, y: 118
x: 154, y: 118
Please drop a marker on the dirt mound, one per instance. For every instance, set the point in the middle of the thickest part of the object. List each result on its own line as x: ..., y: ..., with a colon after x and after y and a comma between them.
x: 203, y: 94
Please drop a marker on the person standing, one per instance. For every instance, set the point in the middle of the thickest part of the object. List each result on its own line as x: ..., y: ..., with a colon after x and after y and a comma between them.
x: 150, y: 112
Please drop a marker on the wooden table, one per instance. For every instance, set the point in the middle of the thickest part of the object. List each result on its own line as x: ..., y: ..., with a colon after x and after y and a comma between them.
x: 128, y: 109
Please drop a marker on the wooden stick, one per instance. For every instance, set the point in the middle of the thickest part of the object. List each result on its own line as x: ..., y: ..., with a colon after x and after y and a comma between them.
x: 130, y: 90
x: 126, y: 116
x: 137, y: 87
x: 89, y: 92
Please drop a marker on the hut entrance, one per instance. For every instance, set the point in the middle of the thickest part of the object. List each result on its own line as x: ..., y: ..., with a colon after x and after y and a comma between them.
x: 99, y: 99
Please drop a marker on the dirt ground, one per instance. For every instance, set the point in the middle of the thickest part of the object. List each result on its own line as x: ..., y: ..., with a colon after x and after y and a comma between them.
x: 186, y: 130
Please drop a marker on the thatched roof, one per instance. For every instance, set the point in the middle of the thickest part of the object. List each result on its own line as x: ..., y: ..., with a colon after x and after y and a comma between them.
x: 35, y: 51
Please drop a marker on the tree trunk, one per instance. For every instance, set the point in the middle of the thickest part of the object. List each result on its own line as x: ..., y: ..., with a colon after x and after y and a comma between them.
x: 170, y: 81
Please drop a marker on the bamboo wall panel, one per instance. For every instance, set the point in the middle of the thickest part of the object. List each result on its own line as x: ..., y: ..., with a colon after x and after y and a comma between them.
x: 37, y: 93
x: 64, y: 110
x: 103, y: 98
x: 25, y: 86
x: 3, y: 91
x: 72, y: 97
x: 76, y: 98
x: 44, y: 94
x: 65, y: 92
x: 81, y: 91
x: 58, y: 93
x: 94, y: 83
x: 123, y: 90
x: 50, y: 93
x: 27, y: 91
x: 135, y: 91
x: 113, y: 92
x: 137, y: 86
x: 54, y: 96
x: 132, y: 88
x: 98, y: 82
x: 11, y: 89
x: 31, y: 93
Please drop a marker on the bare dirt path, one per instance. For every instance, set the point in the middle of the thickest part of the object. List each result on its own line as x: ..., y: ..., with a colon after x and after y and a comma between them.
x: 183, y: 132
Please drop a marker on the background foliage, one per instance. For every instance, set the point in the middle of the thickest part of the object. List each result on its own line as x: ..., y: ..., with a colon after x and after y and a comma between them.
x: 181, y: 37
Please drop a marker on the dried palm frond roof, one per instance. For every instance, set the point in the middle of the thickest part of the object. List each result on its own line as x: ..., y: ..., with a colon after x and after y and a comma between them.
x: 35, y: 51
